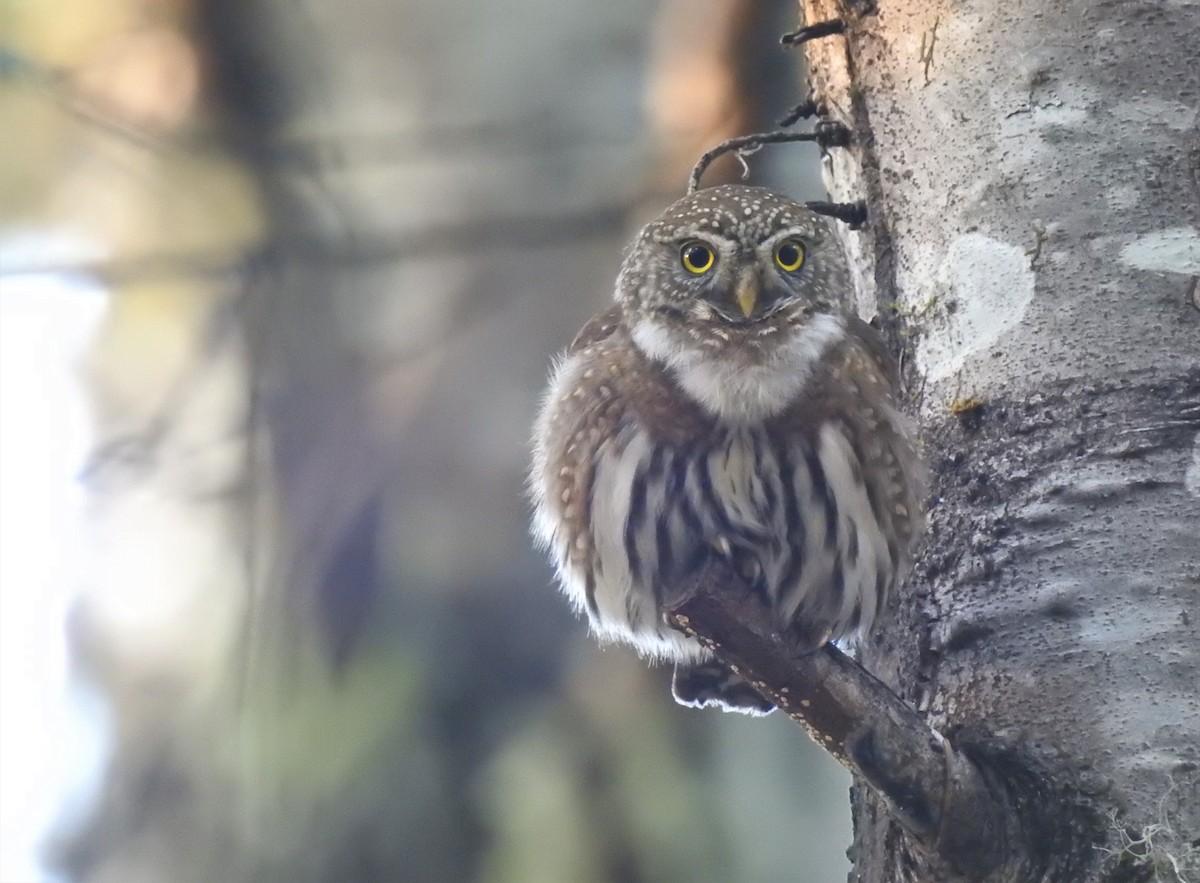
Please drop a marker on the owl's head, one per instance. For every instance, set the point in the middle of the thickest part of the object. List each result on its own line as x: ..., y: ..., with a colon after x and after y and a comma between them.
x: 739, y: 290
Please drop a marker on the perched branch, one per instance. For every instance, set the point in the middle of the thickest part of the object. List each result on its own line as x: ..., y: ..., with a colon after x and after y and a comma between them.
x: 953, y: 811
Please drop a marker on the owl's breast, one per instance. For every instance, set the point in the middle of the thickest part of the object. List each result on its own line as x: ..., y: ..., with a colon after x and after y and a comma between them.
x: 657, y: 510
x: 601, y: 445
x: 634, y: 485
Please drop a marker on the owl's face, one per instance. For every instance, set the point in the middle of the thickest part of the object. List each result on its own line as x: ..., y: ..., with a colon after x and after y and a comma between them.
x: 733, y: 264
x: 736, y: 288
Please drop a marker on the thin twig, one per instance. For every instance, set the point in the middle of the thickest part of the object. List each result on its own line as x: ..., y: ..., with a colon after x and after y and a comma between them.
x: 743, y: 144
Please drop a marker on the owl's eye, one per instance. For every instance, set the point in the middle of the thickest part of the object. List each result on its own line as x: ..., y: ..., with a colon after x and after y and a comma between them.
x: 789, y: 255
x: 697, y: 258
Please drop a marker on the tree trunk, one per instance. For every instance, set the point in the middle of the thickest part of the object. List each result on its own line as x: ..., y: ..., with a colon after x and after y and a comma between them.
x: 1032, y: 173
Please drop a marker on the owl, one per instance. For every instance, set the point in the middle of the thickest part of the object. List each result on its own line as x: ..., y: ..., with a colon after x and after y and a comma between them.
x: 728, y: 404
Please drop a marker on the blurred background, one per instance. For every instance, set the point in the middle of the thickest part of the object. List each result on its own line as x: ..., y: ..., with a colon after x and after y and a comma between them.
x: 280, y: 284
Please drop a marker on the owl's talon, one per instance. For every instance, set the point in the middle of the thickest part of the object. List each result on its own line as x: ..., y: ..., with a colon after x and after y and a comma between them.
x: 806, y: 639
x: 714, y: 684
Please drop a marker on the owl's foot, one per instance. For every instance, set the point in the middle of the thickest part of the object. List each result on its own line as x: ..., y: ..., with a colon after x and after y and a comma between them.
x: 701, y: 684
x: 807, y: 638
x: 745, y: 562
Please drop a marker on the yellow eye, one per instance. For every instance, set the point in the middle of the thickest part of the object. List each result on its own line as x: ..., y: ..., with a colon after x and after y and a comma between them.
x: 789, y: 255
x: 697, y: 258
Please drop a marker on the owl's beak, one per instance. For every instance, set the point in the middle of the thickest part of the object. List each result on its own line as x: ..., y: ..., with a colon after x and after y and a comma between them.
x: 747, y: 294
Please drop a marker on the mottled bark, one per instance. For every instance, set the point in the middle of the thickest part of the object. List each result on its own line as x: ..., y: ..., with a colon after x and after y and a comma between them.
x: 1031, y: 174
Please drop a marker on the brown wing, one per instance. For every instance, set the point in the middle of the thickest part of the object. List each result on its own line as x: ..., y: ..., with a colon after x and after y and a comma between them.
x: 623, y: 382
x: 872, y: 341
x: 598, y: 328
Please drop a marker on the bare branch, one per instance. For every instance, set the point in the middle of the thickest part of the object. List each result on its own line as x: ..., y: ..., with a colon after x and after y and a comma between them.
x: 953, y: 811
x: 366, y: 249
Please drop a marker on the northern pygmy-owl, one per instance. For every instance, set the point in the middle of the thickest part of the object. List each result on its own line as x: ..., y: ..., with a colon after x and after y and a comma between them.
x: 729, y: 403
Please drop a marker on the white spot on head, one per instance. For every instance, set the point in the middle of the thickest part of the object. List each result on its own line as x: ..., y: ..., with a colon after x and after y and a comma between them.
x: 992, y: 286
x: 1174, y: 250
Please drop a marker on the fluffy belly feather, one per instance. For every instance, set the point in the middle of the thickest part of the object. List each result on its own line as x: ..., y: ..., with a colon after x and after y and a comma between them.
x: 793, y: 513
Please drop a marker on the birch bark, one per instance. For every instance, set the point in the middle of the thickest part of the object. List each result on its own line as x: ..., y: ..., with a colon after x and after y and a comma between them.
x: 1032, y: 171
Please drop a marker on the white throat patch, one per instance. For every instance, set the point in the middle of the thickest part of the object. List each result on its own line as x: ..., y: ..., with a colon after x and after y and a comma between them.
x: 736, y: 393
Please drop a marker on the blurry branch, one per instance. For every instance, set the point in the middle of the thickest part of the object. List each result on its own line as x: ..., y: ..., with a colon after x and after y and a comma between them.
x: 56, y: 85
x: 529, y: 138
x: 954, y: 809
x: 709, y: 80
x: 533, y: 136
x: 358, y: 250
